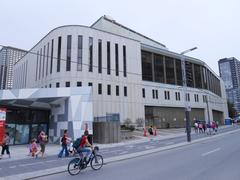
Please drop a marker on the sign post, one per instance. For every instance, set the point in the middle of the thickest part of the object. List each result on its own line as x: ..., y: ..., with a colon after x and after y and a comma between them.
x: 3, y: 112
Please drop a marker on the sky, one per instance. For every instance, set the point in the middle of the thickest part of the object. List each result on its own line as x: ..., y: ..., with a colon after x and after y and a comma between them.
x: 211, y: 25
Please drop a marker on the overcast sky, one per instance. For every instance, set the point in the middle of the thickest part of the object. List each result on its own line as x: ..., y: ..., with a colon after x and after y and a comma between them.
x: 211, y: 25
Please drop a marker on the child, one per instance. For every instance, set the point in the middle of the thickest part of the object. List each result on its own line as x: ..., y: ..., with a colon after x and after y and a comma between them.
x: 33, y: 147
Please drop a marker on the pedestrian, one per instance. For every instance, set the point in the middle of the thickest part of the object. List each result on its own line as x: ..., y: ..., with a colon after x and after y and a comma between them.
x: 200, y: 127
x: 196, y: 127
x: 150, y: 130
x: 204, y: 127
x: 64, y: 141
x: 42, y: 139
x: 33, y: 147
x: 5, y: 145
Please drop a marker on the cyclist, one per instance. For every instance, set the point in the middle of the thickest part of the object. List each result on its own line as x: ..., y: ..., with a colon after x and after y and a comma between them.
x: 84, y: 146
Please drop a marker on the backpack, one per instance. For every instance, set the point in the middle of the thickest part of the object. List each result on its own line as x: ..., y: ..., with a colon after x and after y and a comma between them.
x: 77, y: 143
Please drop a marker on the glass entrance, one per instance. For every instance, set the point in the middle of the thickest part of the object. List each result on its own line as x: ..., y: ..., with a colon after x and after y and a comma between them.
x: 24, y: 124
x: 22, y: 134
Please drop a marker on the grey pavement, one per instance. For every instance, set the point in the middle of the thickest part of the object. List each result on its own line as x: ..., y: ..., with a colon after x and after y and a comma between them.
x: 212, y: 159
x: 20, y: 168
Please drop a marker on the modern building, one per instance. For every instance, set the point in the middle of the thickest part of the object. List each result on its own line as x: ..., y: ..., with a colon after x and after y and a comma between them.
x: 8, y: 57
x: 131, y: 76
x: 229, y: 69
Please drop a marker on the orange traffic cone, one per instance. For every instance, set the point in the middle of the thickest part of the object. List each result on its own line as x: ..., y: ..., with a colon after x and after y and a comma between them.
x: 144, y: 132
x: 155, y: 132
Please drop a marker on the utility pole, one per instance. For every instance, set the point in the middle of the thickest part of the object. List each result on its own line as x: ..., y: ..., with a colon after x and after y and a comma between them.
x: 186, y: 102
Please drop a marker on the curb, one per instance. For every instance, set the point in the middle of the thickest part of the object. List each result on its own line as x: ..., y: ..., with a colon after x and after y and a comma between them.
x: 61, y: 169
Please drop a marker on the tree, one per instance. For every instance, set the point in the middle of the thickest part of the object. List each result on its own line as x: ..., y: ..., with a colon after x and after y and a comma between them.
x: 140, y: 122
x: 231, y: 110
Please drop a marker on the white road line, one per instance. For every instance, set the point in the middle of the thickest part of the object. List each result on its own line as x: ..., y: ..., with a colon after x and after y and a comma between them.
x: 149, y: 147
x: 115, y: 151
x: 12, y: 167
x: 124, y: 152
x: 50, y: 161
x: 30, y: 164
x: 169, y: 143
x: 210, y: 152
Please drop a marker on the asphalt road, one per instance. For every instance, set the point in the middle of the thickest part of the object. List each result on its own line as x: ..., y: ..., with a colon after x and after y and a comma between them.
x: 215, y: 159
x: 30, y: 165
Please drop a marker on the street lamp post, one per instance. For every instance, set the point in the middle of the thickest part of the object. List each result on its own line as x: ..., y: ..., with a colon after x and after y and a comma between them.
x: 186, y: 104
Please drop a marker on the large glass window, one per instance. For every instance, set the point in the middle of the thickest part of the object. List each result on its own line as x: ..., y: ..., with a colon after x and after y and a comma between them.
x: 90, y: 46
x: 22, y: 134
x: 59, y: 53
x: 116, y: 59
x: 99, y: 88
x: 51, y: 63
x: 47, y: 59
x: 40, y: 64
x: 108, y: 89
x: 108, y: 58
x: 147, y: 66
x: 69, y: 47
x: 99, y: 56
x: 204, y: 78
x: 179, y: 71
x: 37, y: 66
x: 170, y: 76
x: 189, y: 74
x: 44, y: 50
x: 198, y: 77
x: 158, y: 68
x: 124, y: 62
x: 79, y: 54
x: 117, y: 90
x: 125, y: 90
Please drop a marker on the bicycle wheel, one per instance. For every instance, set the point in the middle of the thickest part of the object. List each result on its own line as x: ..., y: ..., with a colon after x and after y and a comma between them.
x: 74, y: 167
x: 97, y: 162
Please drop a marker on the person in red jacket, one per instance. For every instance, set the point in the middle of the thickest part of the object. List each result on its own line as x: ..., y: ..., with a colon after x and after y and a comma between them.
x: 84, y: 145
x: 64, y: 142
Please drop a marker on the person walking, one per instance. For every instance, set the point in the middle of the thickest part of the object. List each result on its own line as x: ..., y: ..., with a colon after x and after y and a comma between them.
x: 42, y: 139
x: 196, y: 127
x: 33, y: 147
x: 5, y: 145
x: 64, y: 141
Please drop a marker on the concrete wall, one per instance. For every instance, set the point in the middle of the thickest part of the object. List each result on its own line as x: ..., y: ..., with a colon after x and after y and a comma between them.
x: 106, y: 132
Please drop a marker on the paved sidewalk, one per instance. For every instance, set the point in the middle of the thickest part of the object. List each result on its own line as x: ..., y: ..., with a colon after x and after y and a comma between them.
x: 21, y: 151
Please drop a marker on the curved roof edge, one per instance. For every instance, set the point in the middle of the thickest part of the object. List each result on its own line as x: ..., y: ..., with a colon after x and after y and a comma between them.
x: 73, y: 26
x: 122, y: 26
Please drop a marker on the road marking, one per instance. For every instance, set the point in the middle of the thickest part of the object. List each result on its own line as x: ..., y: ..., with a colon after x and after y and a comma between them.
x: 115, y: 151
x: 124, y: 152
x: 149, y: 147
x: 169, y: 143
x: 12, y: 167
x: 50, y: 161
x: 210, y: 152
x: 129, y: 146
x: 30, y: 164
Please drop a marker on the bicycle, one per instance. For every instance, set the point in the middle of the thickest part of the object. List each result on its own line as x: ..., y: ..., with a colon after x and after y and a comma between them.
x: 77, y: 164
